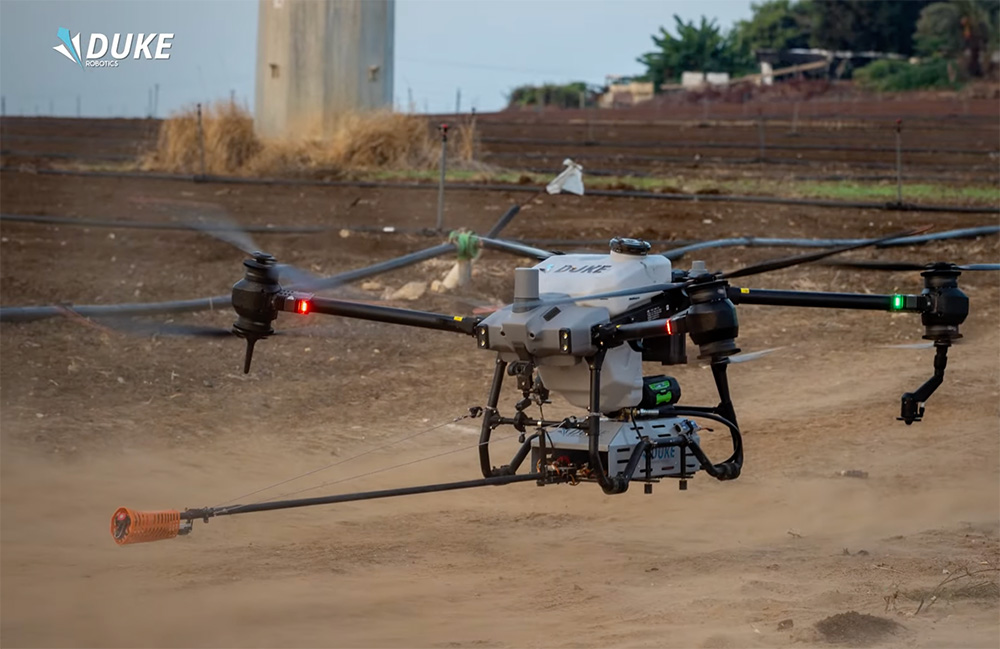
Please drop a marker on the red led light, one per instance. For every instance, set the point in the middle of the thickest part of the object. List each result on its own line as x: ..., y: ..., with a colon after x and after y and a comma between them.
x: 303, y: 307
x: 670, y: 328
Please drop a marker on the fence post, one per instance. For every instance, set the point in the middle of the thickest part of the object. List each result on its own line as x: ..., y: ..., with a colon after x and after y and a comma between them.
x: 444, y: 162
x: 899, y: 161
x: 473, y: 130
x: 201, y: 141
x: 760, y: 132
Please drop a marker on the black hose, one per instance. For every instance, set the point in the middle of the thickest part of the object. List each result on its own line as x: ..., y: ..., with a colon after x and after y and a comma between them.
x: 153, y: 225
x: 753, y: 242
x: 30, y: 313
x: 729, y: 145
x: 516, y: 248
x: 696, y: 198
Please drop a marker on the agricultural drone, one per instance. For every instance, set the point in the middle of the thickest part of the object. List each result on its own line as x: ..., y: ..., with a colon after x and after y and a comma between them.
x: 581, y: 325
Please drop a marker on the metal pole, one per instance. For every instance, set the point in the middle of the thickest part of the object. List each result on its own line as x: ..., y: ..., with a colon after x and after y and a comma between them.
x: 760, y: 133
x: 444, y: 163
x: 475, y: 138
x: 194, y: 514
x: 458, y: 101
x: 201, y: 141
x: 899, y: 162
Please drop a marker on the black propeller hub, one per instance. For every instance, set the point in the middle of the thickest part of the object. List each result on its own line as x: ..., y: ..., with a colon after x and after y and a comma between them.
x: 253, y: 301
x: 711, y: 319
x: 634, y: 247
x: 948, y: 306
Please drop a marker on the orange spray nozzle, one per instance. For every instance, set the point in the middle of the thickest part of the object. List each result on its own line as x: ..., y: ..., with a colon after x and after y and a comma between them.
x: 130, y: 526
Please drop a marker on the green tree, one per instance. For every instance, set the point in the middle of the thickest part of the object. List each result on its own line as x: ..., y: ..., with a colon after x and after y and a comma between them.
x: 865, y: 25
x: 963, y: 28
x: 777, y: 25
x: 701, y: 47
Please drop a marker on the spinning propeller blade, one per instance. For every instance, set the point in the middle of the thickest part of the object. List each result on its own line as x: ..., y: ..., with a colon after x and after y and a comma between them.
x: 924, y: 345
x: 754, y: 269
x: 752, y: 356
x: 795, y: 260
x: 136, y: 328
x: 228, y: 231
x: 904, y: 265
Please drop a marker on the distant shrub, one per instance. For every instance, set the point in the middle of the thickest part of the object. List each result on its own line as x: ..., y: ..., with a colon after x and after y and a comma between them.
x: 896, y: 76
x: 569, y: 95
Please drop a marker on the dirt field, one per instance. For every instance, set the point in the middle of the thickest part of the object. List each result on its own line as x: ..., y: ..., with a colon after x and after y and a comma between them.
x: 92, y: 419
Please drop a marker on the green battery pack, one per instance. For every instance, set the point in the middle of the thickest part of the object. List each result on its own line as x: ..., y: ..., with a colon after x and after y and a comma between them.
x: 659, y: 391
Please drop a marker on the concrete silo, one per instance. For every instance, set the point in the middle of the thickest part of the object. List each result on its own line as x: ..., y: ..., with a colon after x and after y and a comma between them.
x: 319, y: 57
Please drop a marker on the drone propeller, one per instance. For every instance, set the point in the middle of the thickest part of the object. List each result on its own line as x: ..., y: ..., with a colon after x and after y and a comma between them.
x: 907, y: 266
x: 229, y: 232
x: 133, y: 327
x: 795, y: 260
x: 753, y: 269
x: 924, y: 345
x: 752, y: 356
x: 172, y: 329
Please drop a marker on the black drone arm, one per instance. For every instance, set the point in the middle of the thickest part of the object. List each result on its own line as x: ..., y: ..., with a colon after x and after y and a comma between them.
x: 942, y: 307
x: 258, y: 298
x: 864, y: 301
x: 304, y: 303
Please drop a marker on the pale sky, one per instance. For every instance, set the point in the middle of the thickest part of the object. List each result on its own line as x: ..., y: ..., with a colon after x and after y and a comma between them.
x: 483, y: 47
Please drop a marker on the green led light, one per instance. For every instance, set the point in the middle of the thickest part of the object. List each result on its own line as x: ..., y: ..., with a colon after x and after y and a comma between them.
x: 898, y: 302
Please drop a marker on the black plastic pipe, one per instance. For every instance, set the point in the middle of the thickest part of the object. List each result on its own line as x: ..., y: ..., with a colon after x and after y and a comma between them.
x: 728, y: 145
x: 516, y: 248
x: 696, y: 198
x: 160, y: 225
x: 29, y: 313
x: 767, y: 242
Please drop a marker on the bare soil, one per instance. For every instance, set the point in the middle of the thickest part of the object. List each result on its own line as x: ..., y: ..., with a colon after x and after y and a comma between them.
x: 91, y: 419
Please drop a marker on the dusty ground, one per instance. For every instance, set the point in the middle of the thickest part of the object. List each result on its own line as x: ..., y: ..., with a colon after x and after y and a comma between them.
x: 91, y: 420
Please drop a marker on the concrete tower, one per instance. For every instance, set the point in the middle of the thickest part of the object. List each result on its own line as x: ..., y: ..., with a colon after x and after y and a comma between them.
x: 316, y: 58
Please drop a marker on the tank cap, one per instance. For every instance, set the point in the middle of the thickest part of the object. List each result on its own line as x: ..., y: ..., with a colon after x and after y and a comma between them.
x: 625, y: 246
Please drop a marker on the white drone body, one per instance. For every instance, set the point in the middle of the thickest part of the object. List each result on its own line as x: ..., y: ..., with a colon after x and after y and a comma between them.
x: 556, y: 337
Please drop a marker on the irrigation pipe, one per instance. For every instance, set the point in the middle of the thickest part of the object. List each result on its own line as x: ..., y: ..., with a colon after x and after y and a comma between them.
x: 768, y: 160
x: 159, y: 225
x: 964, y: 233
x: 523, y: 246
x: 30, y: 313
x: 639, y: 173
x: 728, y: 145
x: 706, y: 198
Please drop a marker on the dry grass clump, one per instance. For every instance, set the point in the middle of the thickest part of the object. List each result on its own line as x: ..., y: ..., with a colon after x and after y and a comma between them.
x: 351, y: 143
x: 229, y: 141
